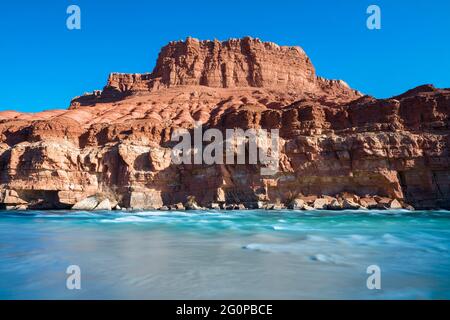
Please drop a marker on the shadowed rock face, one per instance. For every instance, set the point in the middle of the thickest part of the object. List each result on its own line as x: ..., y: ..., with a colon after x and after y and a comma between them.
x: 116, y: 142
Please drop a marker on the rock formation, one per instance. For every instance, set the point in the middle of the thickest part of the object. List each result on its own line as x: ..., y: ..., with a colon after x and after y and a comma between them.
x: 338, y: 146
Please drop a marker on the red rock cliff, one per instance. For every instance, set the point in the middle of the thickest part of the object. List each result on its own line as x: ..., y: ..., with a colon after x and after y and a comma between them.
x: 349, y: 149
x: 235, y: 63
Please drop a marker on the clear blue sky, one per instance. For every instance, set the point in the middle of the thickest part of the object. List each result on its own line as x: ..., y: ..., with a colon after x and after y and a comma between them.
x: 43, y: 64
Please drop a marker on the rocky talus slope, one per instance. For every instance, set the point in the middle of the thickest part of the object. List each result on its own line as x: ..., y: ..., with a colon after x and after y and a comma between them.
x: 339, y: 148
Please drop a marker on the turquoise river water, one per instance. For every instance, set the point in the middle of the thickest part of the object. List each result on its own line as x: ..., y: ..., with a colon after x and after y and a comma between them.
x: 225, y: 254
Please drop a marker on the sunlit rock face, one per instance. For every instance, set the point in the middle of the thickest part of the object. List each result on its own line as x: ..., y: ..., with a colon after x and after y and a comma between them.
x: 116, y: 143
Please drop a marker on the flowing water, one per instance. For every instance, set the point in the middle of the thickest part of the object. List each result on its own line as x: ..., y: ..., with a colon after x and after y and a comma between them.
x: 225, y: 255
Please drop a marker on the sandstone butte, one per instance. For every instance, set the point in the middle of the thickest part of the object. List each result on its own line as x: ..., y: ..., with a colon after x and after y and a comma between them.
x: 337, y: 144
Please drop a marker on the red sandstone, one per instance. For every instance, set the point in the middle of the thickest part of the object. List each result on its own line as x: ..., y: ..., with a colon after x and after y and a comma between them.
x: 335, y: 141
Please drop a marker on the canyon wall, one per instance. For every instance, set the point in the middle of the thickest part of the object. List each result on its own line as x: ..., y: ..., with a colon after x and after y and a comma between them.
x: 334, y: 142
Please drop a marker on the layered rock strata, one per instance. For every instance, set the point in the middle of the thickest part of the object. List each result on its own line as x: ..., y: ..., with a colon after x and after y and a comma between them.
x: 350, y: 150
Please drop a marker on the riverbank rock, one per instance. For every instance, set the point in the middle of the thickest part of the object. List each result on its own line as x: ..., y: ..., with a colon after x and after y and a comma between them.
x: 104, y: 205
x: 191, y: 204
x: 369, y: 203
x: 11, y: 198
x: 177, y: 206
x: 395, y: 204
x: 260, y: 205
x: 86, y: 204
x: 349, y: 204
x: 214, y: 206
x: 383, y: 203
x: 309, y: 200
x: 320, y: 204
x: 297, y: 204
x: 21, y: 207
x: 335, y: 205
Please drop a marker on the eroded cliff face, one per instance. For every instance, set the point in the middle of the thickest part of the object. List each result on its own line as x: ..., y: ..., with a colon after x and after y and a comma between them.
x: 235, y: 63
x: 334, y: 142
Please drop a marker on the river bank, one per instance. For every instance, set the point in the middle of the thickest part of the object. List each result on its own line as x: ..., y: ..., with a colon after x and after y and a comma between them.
x: 108, y: 201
